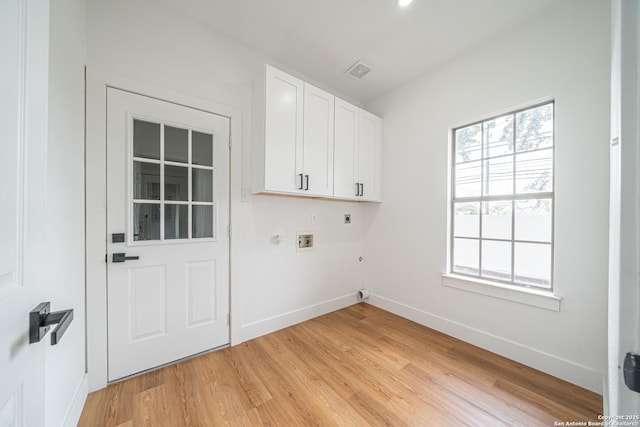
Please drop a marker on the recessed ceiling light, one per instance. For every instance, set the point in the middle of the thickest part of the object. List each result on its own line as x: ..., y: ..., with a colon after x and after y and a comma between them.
x: 404, y: 3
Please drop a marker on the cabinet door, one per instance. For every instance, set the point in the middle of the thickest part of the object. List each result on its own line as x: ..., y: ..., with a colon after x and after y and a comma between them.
x: 318, y: 141
x: 345, y: 175
x: 283, y: 132
x: 370, y: 156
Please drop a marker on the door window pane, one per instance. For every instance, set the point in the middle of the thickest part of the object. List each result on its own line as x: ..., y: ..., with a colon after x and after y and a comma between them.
x: 202, y: 221
x: 180, y: 178
x: 533, y: 220
x: 176, y: 220
x: 496, y: 260
x: 532, y: 264
x: 176, y: 144
x: 176, y: 183
x: 146, y: 139
x: 202, y: 148
x: 466, y: 256
x: 466, y: 220
x: 202, y: 185
x: 146, y: 181
x: 146, y: 221
x: 496, y: 219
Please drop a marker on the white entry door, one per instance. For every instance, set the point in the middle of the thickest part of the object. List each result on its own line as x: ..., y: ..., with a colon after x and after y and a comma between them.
x: 24, y: 41
x: 167, y: 236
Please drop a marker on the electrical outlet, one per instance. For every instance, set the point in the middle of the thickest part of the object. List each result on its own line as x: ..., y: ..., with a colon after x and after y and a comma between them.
x: 347, y: 218
x: 314, y: 218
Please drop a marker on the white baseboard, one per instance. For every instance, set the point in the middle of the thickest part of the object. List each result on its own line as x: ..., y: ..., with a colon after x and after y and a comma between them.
x: 545, y: 362
x: 266, y: 326
x: 80, y: 397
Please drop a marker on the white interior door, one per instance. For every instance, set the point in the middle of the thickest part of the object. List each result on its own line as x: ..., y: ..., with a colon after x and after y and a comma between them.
x: 24, y: 37
x: 167, y: 207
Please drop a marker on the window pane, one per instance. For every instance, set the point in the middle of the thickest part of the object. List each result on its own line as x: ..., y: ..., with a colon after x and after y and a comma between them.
x: 146, y: 221
x: 534, y: 128
x: 533, y: 220
x: 498, y: 176
x: 532, y: 264
x: 176, y: 144
x: 468, y: 179
x: 498, y: 136
x: 146, y: 181
x: 466, y: 220
x: 496, y: 260
x: 466, y: 256
x: 146, y: 139
x: 202, y: 148
x: 534, y: 172
x: 496, y: 219
x: 202, y: 185
x: 202, y: 225
x: 176, y: 220
x: 468, y: 143
x: 176, y: 183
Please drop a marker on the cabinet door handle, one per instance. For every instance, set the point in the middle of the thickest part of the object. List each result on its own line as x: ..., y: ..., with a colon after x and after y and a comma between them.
x: 307, y: 186
x: 357, y: 189
x: 361, y: 189
x: 301, y: 181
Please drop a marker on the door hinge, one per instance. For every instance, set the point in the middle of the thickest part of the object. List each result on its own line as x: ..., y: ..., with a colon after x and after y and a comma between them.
x: 106, y: 257
x: 228, y: 319
x: 229, y: 230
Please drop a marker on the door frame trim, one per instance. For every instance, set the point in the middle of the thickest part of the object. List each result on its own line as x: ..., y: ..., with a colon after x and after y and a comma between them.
x: 96, y: 83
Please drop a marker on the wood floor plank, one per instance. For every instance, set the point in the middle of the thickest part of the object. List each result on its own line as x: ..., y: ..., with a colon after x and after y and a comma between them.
x: 357, y: 366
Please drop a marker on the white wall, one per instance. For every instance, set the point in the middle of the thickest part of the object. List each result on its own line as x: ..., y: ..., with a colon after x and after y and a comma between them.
x: 272, y: 285
x: 64, y: 217
x: 563, y: 54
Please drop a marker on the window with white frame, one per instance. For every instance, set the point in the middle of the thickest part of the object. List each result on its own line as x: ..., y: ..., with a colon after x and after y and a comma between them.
x: 502, y: 198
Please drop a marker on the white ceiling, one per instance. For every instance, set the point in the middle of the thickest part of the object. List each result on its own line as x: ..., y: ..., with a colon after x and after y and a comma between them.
x: 322, y: 38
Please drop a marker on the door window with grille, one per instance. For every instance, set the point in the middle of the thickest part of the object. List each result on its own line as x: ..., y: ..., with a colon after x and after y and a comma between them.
x: 172, y: 182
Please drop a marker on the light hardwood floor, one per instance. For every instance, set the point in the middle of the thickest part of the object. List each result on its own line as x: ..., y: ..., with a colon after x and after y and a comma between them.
x: 358, y: 366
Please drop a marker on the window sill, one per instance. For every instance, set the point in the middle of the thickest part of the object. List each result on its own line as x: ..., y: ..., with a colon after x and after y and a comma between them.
x: 533, y: 297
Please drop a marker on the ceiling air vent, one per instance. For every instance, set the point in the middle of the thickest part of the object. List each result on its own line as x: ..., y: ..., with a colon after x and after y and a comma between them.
x: 358, y: 70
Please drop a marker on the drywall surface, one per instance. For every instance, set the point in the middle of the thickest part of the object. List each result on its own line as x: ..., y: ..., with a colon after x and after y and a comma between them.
x: 563, y: 55
x: 64, y: 216
x: 273, y: 285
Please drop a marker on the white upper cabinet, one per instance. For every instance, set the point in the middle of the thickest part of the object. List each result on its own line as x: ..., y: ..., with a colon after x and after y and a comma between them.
x: 309, y: 143
x: 370, y: 156
x: 317, y: 165
x: 283, y: 151
x: 345, y: 183
x: 358, y: 147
